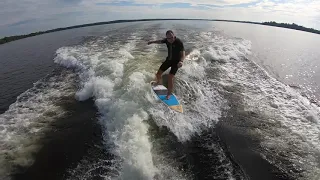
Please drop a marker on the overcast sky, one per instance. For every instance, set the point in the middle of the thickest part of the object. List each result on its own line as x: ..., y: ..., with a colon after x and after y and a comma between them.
x: 26, y: 16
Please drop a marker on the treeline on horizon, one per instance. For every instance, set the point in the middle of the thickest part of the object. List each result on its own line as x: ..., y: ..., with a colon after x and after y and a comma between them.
x: 271, y: 23
x: 291, y: 26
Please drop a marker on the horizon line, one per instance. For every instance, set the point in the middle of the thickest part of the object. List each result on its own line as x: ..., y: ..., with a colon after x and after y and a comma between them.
x: 137, y: 20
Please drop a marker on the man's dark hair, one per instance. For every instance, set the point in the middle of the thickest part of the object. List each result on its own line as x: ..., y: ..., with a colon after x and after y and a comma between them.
x: 169, y: 31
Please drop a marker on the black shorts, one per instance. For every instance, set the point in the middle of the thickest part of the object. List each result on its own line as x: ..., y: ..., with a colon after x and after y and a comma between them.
x: 170, y: 63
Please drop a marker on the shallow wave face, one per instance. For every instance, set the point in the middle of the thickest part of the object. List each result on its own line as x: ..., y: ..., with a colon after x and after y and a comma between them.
x: 117, y: 75
x: 120, y: 96
x: 22, y: 126
x: 115, y: 70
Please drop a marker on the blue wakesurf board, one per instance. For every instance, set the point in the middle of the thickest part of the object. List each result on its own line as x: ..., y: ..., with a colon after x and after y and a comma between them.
x: 161, y: 92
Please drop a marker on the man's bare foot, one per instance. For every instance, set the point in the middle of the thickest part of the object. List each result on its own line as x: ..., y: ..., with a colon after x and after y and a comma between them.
x: 168, y: 96
x: 155, y: 83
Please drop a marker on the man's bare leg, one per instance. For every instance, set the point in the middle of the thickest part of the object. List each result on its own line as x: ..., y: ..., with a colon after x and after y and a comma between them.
x: 158, y: 77
x: 170, y: 85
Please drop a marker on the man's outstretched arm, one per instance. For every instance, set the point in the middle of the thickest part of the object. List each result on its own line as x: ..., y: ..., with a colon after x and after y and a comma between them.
x: 156, y: 42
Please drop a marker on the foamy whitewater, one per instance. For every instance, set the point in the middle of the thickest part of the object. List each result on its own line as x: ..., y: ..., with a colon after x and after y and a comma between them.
x: 22, y: 125
x: 115, y: 71
x: 123, y: 97
x: 110, y: 75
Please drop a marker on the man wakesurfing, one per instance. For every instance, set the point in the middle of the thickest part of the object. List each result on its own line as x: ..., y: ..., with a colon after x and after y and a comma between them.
x: 176, y: 55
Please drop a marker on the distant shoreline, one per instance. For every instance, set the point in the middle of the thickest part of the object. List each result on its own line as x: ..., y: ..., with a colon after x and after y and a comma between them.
x: 271, y: 23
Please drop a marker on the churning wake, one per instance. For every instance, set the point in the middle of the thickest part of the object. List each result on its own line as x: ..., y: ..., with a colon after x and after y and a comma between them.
x: 117, y: 73
x: 26, y: 120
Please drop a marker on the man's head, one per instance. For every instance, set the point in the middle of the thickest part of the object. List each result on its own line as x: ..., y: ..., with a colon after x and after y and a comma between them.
x: 170, y: 36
